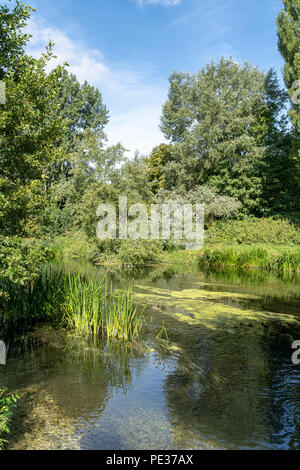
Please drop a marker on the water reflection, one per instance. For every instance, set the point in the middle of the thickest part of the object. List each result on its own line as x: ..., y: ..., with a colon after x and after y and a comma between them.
x: 225, y: 379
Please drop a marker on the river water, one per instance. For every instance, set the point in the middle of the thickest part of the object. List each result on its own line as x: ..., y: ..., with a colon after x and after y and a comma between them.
x: 224, y: 380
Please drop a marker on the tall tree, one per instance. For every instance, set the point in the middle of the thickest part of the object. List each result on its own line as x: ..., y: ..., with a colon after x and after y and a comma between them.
x: 82, y: 110
x: 12, y: 36
x: 28, y: 133
x: 288, y: 22
x: 220, y: 122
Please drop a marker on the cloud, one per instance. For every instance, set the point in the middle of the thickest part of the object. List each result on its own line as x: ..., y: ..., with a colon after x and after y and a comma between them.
x: 166, y: 3
x: 133, y: 92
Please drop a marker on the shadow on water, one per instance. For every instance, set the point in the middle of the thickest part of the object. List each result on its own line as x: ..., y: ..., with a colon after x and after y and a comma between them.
x: 224, y: 380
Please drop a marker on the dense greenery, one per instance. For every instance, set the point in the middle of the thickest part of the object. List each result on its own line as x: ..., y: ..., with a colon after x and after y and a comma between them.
x: 271, y: 258
x: 233, y: 146
x: 253, y: 230
x: 7, y: 404
x: 88, y: 307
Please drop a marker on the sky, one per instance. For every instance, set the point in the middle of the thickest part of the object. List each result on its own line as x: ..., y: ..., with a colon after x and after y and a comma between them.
x: 128, y: 49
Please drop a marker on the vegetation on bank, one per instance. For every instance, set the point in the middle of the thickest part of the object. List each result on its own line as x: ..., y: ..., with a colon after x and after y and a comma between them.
x: 276, y: 259
x: 89, y: 308
x: 233, y: 145
x: 7, y: 404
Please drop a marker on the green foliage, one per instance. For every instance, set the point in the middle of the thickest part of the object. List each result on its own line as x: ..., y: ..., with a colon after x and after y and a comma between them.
x: 216, y: 206
x: 76, y: 245
x: 12, y: 37
x: 81, y: 108
x: 159, y: 157
x: 288, y: 23
x: 28, y: 130
x: 139, y: 253
x: 270, y: 258
x: 288, y: 31
x: 20, y: 260
x: 253, y: 230
x: 222, y: 122
x: 7, y: 404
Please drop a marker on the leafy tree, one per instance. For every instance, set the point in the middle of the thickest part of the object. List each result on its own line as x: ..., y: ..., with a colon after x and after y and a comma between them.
x: 27, y: 141
x: 288, y: 22
x: 159, y: 157
x: 82, y: 110
x: 12, y: 37
x: 220, y: 122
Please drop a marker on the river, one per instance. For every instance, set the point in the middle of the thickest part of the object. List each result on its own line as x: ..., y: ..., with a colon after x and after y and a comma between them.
x: 224, y: 380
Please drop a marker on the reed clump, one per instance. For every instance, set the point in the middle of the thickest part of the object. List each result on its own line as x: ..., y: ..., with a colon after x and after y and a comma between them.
x: 88, y: 307
x: 92, y: 308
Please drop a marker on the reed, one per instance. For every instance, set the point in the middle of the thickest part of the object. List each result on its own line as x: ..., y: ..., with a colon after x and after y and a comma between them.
x: 88, y: 307
x: 122, y: 321
x: 278, y: 260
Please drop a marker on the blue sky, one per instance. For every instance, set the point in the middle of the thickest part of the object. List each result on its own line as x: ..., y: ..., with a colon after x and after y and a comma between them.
x: 128, y: 48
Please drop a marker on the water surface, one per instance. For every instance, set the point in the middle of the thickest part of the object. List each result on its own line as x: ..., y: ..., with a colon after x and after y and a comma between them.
x: 225, y: 379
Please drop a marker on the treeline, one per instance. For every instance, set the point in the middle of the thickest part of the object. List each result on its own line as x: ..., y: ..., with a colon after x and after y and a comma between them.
x: 233, y: 140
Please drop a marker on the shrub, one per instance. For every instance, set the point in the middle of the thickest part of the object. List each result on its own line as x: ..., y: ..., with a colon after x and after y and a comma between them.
x: 253, y: 230
x: 139, y: 253
x: 20, y: 260
x: 77, y: 245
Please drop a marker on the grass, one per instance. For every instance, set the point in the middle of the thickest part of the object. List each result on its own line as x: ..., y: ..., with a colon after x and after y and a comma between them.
x: 86, y: 306
x: 91, y: 309
x: 272, y: 258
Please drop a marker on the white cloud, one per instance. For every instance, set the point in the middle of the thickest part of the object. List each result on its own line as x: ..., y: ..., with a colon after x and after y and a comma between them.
x: 166, y: 3
x: 132, y: 92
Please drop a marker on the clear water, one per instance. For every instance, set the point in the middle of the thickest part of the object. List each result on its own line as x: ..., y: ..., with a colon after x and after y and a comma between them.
x: 225, y: 380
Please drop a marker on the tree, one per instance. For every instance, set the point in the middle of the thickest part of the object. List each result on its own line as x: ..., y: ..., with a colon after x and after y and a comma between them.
x: 12, y: 37
x: 160, y: 156
x: 220, y: 122
x: 82, y: 110
x: 288, y: 23
x: 28, y: 130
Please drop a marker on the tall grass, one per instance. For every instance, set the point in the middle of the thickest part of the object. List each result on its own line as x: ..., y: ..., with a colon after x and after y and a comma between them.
x: 122, y: 320
x: 272, y: 259
x: 91, y: 308
x: 86, y: 306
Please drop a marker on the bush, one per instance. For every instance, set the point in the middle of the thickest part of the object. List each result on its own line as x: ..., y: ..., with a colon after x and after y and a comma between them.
x: 77, y: 245
x: 253, y: 230
x: 139, y: 253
